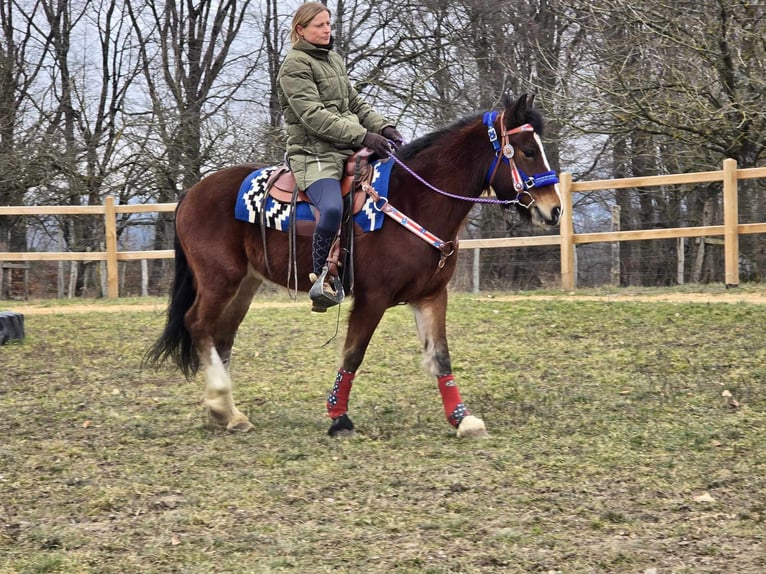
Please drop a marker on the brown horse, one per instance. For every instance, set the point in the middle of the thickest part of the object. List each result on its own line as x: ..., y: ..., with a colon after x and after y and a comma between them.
x: 220, y: 261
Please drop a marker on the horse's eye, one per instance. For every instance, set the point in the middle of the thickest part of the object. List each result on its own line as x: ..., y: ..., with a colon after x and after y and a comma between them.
x: 529, y: 153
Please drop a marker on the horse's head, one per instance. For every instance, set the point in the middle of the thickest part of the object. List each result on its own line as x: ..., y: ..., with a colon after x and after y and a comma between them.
x: 521, y: 172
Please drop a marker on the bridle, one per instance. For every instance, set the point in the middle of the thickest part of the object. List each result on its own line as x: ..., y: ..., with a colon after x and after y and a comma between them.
x: 521, y: 183
x: 504, y: 153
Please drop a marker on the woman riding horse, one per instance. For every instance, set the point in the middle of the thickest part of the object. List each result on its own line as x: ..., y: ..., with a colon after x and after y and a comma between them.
x: 433, y: 183
x: 326, y: 121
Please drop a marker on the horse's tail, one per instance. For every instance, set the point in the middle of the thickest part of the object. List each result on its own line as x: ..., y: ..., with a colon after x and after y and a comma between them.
x: 175, y: 342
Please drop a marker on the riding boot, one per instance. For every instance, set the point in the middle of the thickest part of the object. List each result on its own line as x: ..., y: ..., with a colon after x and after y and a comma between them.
x: 326, y: 290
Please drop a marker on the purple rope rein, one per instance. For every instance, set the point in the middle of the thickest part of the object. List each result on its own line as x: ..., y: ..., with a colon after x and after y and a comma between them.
x: 452, y: 195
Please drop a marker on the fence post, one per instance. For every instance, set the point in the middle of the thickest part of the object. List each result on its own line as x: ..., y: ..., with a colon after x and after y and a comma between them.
x: 110, y: 235
x: 730, y: 223
x: 72, y: 279
x: 566, y: 231
x: 681, y: 259
x: 144, y: 278
x: 615, y: 271
x: 476, y: 269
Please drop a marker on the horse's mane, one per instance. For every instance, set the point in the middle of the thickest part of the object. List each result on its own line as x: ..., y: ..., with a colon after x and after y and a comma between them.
x: 410, y: 150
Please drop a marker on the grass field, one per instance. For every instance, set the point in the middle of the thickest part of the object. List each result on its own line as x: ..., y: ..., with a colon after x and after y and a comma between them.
x: 625, y: 437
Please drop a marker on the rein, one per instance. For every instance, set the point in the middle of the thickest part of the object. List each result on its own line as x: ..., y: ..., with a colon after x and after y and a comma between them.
x: 452, y: 195
x: 522, y: 183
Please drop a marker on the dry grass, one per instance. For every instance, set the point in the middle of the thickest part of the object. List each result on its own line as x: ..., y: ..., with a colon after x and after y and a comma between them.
x: 613, y: 447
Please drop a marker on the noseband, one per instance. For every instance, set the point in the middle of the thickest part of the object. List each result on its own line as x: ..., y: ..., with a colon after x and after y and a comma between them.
x: 522, y: 183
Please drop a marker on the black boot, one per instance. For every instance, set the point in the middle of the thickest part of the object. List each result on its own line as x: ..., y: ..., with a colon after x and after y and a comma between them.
x: 320, y: 249
x: 326, y: 290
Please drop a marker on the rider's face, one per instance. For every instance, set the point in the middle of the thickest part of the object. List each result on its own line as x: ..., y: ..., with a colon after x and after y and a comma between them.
x: 318, y: 30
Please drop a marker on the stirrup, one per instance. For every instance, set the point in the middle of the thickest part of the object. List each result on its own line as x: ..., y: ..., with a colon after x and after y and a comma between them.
x: 326, y: 292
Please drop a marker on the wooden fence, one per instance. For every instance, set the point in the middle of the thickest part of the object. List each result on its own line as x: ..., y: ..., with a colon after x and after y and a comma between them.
x: 566, y: 240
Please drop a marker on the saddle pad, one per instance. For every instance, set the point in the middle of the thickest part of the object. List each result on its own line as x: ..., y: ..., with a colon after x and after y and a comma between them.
x: 277, y: 214
x: 250, y: 201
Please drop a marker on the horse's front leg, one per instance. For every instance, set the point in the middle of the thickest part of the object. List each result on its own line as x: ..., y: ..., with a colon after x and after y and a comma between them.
x: 363, y: 321
x: 430, y: 319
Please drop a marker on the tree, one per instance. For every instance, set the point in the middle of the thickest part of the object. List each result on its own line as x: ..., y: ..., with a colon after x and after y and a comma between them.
x: 22, y: 60
x: 679, y: 88
x: 192, y: 67
x: 89, y: 99
x: 141, y: 102
x: 519, y: 48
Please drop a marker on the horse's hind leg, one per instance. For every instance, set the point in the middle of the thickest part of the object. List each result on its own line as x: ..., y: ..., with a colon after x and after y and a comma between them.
x: 430, y: 319
x: 235, y: 312
x: 214, y: 321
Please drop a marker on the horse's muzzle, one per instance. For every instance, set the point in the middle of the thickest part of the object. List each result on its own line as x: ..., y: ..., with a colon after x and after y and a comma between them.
x: 544, y: 218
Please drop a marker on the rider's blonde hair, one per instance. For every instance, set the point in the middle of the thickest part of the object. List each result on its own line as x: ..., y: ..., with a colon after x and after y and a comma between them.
x: 303, y: 17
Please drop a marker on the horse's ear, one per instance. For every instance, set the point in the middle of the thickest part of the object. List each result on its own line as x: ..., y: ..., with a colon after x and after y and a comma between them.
x: 531, y: 102
x: 517, y: 114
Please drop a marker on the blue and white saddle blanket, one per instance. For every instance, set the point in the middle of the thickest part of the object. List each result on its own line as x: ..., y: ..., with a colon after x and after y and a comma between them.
x: 277, y: 213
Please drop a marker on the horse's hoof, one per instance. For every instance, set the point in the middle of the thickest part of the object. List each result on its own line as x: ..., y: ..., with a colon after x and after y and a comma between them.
x: 239, y: 422
x: 472, y: 427
x: 240, y: 426
x: 342, y: 427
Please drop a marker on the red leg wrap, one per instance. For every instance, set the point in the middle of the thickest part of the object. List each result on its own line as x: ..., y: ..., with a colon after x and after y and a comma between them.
x: 453, y: 404
x: 337, y: 401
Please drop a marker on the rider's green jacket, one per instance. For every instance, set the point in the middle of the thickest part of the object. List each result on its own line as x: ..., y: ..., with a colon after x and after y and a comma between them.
x: 325, y: 117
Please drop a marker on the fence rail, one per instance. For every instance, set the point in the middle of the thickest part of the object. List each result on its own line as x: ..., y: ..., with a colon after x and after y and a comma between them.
x: 567, y: 239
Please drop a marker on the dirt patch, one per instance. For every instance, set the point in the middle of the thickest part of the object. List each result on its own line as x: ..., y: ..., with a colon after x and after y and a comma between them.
x: 731, y: 297
x: 39, y: 310
x: 130, y: 308
x: 728, y: 297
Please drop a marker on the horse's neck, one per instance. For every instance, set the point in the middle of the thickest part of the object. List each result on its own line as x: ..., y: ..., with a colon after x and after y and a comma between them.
x: 435, y: 208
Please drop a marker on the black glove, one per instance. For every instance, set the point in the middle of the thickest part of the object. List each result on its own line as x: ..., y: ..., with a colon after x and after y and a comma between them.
x: 391, y: 133
x: 378, y: 144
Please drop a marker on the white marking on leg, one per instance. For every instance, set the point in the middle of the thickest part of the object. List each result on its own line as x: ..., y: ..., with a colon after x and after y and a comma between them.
x: 424, y: 324
x: 218, y: 386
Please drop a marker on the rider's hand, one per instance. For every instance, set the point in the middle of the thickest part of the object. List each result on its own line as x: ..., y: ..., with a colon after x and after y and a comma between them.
x: 378, y: 144
x: 391, y: 133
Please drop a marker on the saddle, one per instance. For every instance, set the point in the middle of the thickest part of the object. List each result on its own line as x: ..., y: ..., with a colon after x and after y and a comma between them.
x: 357, y: 177
x: 282, y: 187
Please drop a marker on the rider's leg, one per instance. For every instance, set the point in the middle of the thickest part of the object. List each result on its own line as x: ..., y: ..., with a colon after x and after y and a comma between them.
x: 325, y: 194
